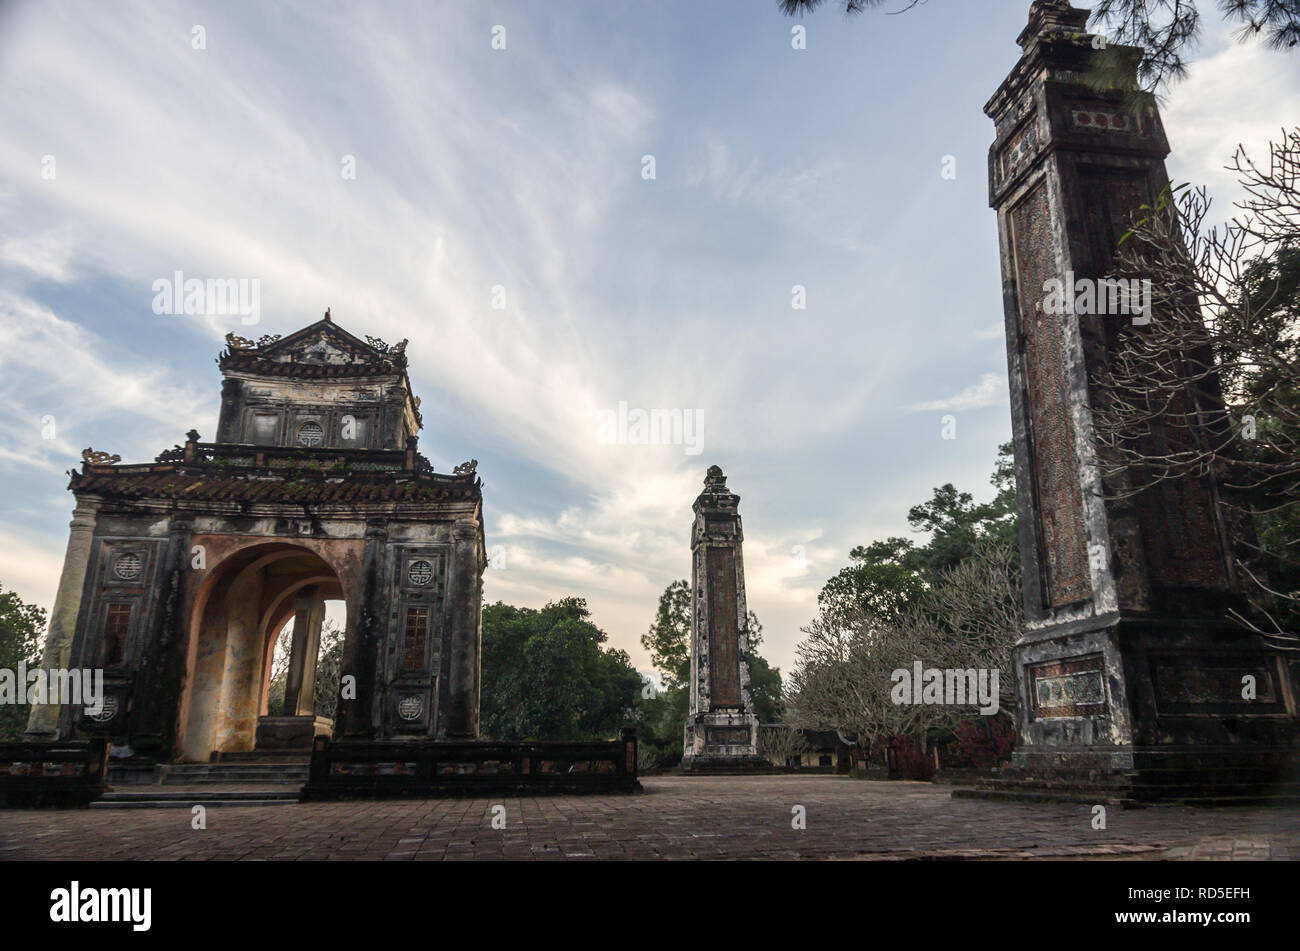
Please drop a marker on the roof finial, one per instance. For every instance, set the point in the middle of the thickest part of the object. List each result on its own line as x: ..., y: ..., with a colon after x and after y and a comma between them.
x: 327, y: 313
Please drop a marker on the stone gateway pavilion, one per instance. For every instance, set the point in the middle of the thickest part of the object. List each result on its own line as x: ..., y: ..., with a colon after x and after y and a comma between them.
x: 181, y: 573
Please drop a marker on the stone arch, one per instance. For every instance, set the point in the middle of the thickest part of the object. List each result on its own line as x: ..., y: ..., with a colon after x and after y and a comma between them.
x: 243, y: 600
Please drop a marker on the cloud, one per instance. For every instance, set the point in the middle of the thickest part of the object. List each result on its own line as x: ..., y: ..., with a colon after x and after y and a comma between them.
x: 991, y: 390
x: 521, y: 169
x: 1244, y: 94
x: 30, y: 563
x: 59, y: 386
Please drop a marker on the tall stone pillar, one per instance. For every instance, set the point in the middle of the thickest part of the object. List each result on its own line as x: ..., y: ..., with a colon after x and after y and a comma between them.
x: 161, y: 669
x: 466, y: 593
x: 722, y: 728
x: 43, y: 721
x: 300, y: 688
x: 358, y: 715
x: 1129, y: 675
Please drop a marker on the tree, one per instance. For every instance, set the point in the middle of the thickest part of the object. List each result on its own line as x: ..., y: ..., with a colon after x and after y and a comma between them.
x: 1163, y: 29
x: 970, y: 618
x: 329, y: 668
x: 1209, y: 387
x: 547, y: 677
x: 764, y: 679
x: 779, y: 743
x: 22, y: 629
x: 661, y: 718
x: 668, y: 639
x: 953, y: 602
x: 888, y: 576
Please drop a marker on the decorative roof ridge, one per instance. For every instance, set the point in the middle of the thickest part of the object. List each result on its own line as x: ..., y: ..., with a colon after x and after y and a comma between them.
x: 241, y: 347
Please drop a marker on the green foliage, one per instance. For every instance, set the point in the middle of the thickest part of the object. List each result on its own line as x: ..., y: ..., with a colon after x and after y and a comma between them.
x: 661, y: 719
x: 889, y: 575
x: 1269, y: 293
x: 956, y: 525
x: 22, y: 628
x: 546, y: 676
x: 329, y: 668
x: 764, y: 680
x: 668, y: 639
x: 953, y: 601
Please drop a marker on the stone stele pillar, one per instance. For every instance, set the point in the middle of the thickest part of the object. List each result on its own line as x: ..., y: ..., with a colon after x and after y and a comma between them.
x: 43, y: 721
x: 722, y: 728
x: 1129, y: 673
x: 300, y: 688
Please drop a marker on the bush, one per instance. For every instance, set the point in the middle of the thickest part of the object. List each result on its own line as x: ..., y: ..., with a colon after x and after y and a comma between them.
x: 983, y: 742
x: 912, y: 760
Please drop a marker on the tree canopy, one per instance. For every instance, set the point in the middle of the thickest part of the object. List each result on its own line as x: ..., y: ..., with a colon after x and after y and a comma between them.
x: 22, y: 629
x: 952, y: 602
x: 547, y: 677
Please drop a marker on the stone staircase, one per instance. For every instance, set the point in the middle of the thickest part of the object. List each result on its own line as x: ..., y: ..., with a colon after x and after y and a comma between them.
x: 291, y: 773
x: 188, y: 798
x: 234, y: 779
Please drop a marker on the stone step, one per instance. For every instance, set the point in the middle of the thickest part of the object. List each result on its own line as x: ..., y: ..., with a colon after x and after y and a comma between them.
x: 1111, y: 798
x: 1146, y: 791
x: 259, y: 758
x: 295, y: 774
x: 188, y: 799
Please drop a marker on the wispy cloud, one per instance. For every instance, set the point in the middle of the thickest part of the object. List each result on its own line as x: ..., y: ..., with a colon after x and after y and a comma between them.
x: 521, y: 169
x: 991, y: 390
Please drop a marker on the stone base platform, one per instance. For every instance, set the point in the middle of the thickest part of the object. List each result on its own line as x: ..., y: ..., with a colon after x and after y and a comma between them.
x: 728, y: 766
x: 275, y: 734
x: 1149, y: 776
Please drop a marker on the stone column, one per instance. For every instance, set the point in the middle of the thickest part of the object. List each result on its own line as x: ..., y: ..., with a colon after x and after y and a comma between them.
x: 43, y: 722
x: 359, y: 717
x: 722, y: 728
x: 465, y: 594
x: 1129, y: 674
x: 309, y: 616
x: 161, y: 669
x: 241, y: 672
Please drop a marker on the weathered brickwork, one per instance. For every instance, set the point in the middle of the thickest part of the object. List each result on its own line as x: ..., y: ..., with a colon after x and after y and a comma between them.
x: 1129, y: 673
x: 721, y: 729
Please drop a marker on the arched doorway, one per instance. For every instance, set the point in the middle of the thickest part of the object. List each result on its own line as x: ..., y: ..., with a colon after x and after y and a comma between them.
x: 242, y: 607
x: 280, y: 660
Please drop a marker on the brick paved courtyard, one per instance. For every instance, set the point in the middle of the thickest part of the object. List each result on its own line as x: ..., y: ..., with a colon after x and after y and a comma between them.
x: 675, y: 818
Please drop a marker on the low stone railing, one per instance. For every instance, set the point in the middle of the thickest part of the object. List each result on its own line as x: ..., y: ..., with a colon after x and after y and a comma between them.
x: 392, y: 769
x: 59, y: 773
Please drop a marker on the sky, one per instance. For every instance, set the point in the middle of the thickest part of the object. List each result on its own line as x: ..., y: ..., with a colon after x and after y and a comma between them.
x: 495, y: 207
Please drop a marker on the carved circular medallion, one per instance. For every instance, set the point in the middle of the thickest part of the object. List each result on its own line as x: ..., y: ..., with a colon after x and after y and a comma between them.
x: 107, y: 710
x: 420, y: 573
x: 311, y: 434
x: 128, y: 566
x: 410, y: 708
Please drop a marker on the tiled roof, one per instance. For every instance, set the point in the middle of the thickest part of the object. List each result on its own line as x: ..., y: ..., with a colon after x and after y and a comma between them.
x: 251, y: 362
x: 166, y: 482
x: 230, y: 473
